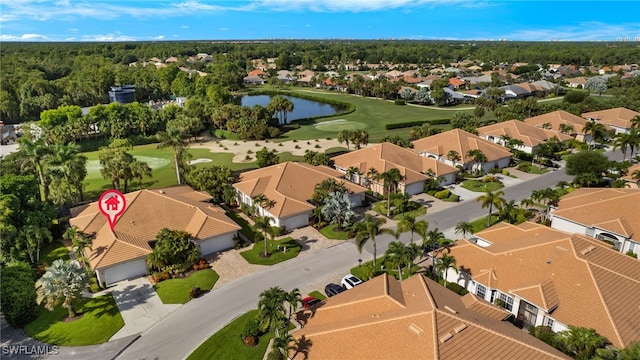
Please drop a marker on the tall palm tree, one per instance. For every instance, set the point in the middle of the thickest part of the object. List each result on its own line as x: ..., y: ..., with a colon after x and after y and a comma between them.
x: 271, y: 309
x: 293, y: 299
x: 597, y: 130
x: 372, y: 175
x: 443, y: 264
x: 177, y: 141
x: 34, y: 237
x: 391, y: 179
x: 409, y: 223
x: 432, y: 239
x: 464, y: 227
x: 351, y: 171
x: 491, y: 199
x: 453, y: 156
x: 282, y: 344
x: 36, y: 152
x: 367, y: 230
x: 547, y: 197
x: 509, y: 212
x: 263, y: 223
x: 397, y: 253
x: 261, y: 200
x: 63, y: 282
x: 64, y: 157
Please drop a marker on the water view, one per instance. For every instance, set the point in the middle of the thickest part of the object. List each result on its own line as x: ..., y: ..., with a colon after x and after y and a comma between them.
x: 302, y: 108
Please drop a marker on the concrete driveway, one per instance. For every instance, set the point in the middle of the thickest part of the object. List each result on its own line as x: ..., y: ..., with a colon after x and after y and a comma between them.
x: 139, y: 305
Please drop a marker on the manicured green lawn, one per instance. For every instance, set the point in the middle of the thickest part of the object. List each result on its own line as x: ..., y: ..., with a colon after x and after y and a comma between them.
x: 227, y: 344
x: 246, y: 228
x: 53, y: 251
x: 275, y: 248
x: 417, y: 212
x: 536, y: 170
x: 481, y: 224
x: 176, y: 291
x: 330, y: 232
x: 101, y: 320
x: 318, y: 295
x: 479, y: 186
x: 370, y: 115
x: 361, y: 272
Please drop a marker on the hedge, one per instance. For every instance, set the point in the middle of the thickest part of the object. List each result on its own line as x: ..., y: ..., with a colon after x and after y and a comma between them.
x: 18, y: 294
x: 408, y: 124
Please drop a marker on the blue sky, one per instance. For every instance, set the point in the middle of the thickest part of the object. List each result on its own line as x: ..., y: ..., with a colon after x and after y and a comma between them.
x: 99, y: 20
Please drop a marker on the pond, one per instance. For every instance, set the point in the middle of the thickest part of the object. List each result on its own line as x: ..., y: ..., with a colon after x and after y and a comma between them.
x: 302, y: 108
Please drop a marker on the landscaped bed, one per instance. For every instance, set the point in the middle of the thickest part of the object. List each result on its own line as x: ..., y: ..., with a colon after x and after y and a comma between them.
x: 227, y: 344
x: 481, y: 186
x: 279, y: 250
x: 330, y: 232
x: 99, y: 322
x: 176, y: 291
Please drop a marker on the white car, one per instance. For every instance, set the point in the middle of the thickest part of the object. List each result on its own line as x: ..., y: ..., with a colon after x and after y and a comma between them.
x: 350, y: 281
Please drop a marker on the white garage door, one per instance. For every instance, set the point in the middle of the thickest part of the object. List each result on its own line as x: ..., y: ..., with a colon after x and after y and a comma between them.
x: 295, y: 222
x: 415, y: 188
x: 129, y: 270
x: 216, y: 244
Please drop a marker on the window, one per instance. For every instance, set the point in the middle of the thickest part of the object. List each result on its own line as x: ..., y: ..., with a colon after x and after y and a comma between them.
x: 481, y: 291
x: 508, y: 301
x: 548, y: 322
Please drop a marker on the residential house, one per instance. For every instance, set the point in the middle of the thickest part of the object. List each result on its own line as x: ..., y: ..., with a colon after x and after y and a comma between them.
x: 253, y: 80
x: 171, y: 59
x: 611, y: 215
x: 515, y: 91
x: 412, y: 319
x: 546, y: 86
x: 394, y: 74
x: 456, y: 83
x: 618, y: 119
x: 576, y: 83
x: 631, y: 180
x: 121, y: 253
x: 532, y: 137
x: 472, y: 80
x: 455, y: 97
x: 439, y: 146
x: 290, y: 186
x: 382, y: 157
x: 549, y: 277
x: 259, y: 73
x: 555, y: 119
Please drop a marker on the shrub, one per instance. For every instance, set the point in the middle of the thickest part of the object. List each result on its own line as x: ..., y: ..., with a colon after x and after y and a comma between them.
x: 524, y: 166
x: 280, y: 144
x: 18, y: 294
x: 297, y: 146
x: 247, y: 157
x: 249, y: 151
x: 399, y: 102
x: 632, y: 254
x: 443, y: 194
x: 317, y: 146
x: 329, y: 138
x: 194, y: 292
x: 251, y: 328
x: 456, y: 288
x: 488, y: 179
x: 505, y: 172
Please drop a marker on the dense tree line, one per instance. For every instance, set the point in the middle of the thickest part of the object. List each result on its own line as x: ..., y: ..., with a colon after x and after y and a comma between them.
x: 42, y: 76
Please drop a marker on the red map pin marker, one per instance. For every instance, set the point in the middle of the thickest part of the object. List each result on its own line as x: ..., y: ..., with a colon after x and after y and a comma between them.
x: 112, y: 204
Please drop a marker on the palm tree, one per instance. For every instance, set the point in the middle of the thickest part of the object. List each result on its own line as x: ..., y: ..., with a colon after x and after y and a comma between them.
x: 372, y: 174
x: 63, y: 282
x: 443, y: 264
x: 432, y: 239
x: 36, y: 152
x: 271, y: 309
x: 478, y: 157
x: 33, y: 237
x: 397, y: 253
x: 175, y: 140
x: 293, y: 298
x: 352, y: 172
x: 409, y: 223
x: 547, y: 197
x: 64, y: 157
x: 597, y: 130
x: 344, y: 135
x: 282, y: 344
x: 635, y: 122
x: 566, y: 128
x: 140, y: 169
x: 464, y: 227
x: 581, y: 341
x: 263, y: 223
x: 367, y: 230
x: 79, y: 242
x: 491, y: 199
x: 453, y: 156
x: 509, y: 212
x: 261, y: 200
x: 391, y: 179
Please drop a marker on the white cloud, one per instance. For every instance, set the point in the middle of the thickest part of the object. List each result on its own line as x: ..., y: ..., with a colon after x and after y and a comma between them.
x: 70, y: 39
x: 108, y: 38
x: 159, y: 37
x: 582, y: 32
x: 348, y: 5
x: 184, y: 27
x: 23, y: 37
x: 224, y: 29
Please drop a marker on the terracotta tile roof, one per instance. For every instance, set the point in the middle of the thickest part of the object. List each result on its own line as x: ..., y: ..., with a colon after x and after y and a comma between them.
x: 290, y: 185
x: 620, y: 117
x: 385, y: 156
x: 147, y: 212
x: 556, y: 118
x: 630, y: 171
x: 587, y: 283
x: 529, y: 134
x: 615, y: 210
x: 460, y: 141
x: 413, y: 319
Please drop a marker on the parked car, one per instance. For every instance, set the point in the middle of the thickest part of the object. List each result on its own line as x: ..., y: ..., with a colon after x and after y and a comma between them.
x: 309, y: 301
x: 333, y: 289
x: 350, y: 281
